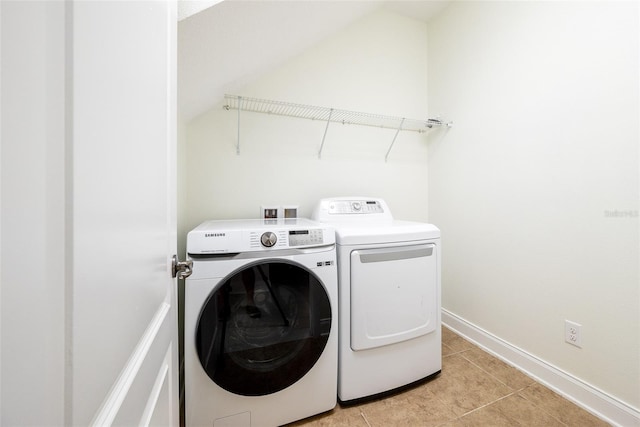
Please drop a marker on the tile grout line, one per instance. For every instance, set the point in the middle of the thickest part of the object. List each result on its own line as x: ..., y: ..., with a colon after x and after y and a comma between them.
x: 491, y: 375
x: 456, y: 352
x: 364, y: 417
x: 514, y: 392
x: 486, y: 404
x: 504, y: 397
x: 543, y: 410
x: 495, y: 377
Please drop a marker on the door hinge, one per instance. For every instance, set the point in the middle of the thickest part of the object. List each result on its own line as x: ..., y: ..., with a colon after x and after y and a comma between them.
x: 181, y: 269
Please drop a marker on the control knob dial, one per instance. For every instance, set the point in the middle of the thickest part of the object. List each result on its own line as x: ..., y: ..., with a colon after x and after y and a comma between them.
x: 268, y: 239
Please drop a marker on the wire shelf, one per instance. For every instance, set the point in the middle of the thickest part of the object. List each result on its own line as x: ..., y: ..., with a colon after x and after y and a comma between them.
x: 329, y: 115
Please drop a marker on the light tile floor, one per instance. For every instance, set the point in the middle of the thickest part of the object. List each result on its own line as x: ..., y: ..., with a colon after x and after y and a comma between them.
x: 474, y: 389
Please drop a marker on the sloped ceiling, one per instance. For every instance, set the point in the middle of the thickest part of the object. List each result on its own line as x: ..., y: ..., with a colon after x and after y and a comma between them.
x: 230, y: 43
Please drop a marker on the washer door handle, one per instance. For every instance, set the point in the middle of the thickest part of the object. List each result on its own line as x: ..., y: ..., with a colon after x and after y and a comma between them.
x: 181, y: 269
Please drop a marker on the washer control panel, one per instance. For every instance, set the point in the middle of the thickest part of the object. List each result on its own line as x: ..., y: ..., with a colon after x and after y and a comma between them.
x: 309, y: 237
x: 235, y: 236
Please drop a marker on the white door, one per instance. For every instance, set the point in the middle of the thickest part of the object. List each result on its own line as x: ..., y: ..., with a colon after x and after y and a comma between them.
x: 124, y: 322
x: 88, y: 228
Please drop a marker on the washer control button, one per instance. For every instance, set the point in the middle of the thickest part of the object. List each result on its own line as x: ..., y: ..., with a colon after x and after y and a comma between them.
x: 268, y: 239
x: 356, y: 206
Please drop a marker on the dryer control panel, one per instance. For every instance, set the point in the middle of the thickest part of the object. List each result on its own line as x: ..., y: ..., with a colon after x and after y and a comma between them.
x: 352, y: 208
x: 355, y: 207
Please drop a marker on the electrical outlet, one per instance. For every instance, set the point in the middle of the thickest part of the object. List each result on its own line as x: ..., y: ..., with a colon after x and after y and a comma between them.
x: 572, y: 333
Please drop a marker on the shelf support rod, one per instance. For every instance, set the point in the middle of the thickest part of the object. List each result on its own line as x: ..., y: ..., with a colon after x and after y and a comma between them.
x: 394, y: 140
x: 238, y: 140
x: 325, y: 133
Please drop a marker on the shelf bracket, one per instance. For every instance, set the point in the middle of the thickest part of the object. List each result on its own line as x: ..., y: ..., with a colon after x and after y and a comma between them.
x: 238, y: 138
x: 325, y: 133
x: 438, y: 122
x: 386, y: 156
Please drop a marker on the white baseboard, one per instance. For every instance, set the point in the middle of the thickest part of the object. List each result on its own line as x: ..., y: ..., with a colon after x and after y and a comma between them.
x: 582, y: 394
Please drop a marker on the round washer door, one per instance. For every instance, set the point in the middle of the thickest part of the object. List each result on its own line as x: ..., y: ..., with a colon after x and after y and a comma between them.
x: 263, y: 328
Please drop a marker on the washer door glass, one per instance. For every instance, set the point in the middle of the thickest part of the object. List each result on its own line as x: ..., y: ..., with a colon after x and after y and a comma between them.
x: 264, y: 328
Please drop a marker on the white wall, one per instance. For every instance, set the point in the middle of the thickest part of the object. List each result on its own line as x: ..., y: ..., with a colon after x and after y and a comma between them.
x: 536, y: 187
x: 376, y: 65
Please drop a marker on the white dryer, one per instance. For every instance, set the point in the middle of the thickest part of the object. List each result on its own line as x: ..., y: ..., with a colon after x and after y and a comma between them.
x: 260, y: 322
x: 389, y: 297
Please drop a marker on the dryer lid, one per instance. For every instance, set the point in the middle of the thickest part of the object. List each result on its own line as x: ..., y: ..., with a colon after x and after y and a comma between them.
x: 385, y: 232
x: 368, y: 220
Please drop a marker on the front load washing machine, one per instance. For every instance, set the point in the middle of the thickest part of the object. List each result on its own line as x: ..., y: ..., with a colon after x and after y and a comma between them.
x: 389, y: 297
x: 260, y: 322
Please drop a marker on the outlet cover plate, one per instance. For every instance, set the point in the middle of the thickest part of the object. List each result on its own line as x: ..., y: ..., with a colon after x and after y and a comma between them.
x: 573, y: 333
